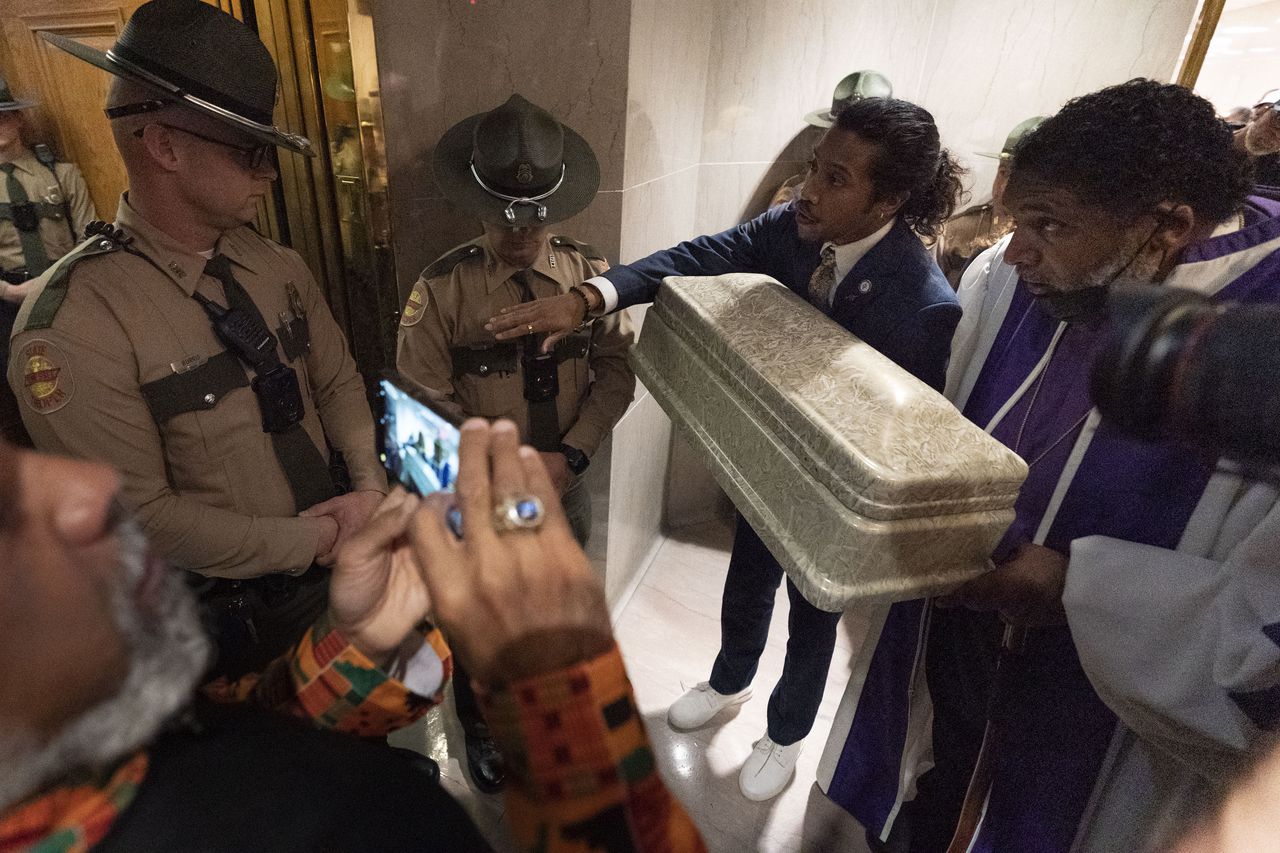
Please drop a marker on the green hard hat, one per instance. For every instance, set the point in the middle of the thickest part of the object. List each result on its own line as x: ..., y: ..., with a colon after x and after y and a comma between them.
x: 855, y: 86
x: 1015, y: 136
x: 8, y: 102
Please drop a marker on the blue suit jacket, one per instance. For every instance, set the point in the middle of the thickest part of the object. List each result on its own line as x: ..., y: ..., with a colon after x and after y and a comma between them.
x: 895, y: 298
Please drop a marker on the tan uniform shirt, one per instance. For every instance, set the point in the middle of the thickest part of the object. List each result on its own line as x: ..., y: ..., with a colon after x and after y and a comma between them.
x: 965, y: 236
x: 41, y: 187
x: 206, y: 485
x: 449, y: 310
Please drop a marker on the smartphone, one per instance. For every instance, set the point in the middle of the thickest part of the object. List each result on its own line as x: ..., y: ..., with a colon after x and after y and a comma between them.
x: 419, y: 442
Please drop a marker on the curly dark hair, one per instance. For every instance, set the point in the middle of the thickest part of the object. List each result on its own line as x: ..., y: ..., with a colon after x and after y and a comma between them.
x: 909, y: 159
x: 1130, y: 147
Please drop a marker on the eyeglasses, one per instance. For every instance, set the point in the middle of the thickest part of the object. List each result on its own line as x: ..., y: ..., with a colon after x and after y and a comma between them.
x: 254, y: 156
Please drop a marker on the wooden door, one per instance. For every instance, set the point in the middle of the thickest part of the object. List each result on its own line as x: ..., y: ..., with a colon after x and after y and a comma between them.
x: 70, y: 93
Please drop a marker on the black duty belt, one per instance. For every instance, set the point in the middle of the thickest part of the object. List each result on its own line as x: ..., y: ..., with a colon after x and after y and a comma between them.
x: 488, y: 359
x: 17, y: 276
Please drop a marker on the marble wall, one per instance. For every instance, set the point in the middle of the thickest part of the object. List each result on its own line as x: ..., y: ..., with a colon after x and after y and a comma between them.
x: 992, y: 63
x: 980, y: 66
x: 443, y: 60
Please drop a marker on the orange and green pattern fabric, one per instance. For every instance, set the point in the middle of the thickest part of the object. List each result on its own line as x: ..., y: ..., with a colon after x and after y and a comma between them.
x: 584, y: 772
x: 76, y: 815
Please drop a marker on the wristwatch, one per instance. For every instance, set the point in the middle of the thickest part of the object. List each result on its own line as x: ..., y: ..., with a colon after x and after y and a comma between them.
x: 578, y: 460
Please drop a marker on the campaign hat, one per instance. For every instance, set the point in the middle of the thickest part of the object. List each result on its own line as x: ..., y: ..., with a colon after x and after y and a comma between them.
x: 1015, y: 136
x: 516, y: 165
x: 199, y: 56
x: 853, y: 87
x: 8, y: 103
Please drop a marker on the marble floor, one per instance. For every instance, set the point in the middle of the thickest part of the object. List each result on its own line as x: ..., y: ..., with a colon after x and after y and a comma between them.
x: 669, y: 633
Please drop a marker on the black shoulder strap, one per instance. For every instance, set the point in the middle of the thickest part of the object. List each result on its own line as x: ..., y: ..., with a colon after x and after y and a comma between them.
x: 103, y: 240
x: 445, y: 264
x: 584, y: 249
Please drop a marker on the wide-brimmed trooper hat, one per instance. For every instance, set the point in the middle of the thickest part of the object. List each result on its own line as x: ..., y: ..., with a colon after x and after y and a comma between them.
x: 854, y: 87
x: 1015, y: 136
x: 8, y: 103
x: 516, y: 165
x: 197, y: 56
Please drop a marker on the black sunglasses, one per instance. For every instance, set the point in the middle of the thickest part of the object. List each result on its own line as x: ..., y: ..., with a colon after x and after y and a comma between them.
x: 255, y: 156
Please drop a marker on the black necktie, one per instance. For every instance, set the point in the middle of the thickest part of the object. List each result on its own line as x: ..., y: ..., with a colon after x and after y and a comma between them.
x: 238, y: 299
x: 303, y: 466
x: 34, y: 255
x: 541, y: 384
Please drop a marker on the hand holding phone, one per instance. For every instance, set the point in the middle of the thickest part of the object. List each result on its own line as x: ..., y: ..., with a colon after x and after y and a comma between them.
x: 419, y: 442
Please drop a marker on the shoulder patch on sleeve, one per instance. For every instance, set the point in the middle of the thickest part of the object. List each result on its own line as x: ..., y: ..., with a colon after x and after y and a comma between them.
x: 47, y: 382
x: 584, y: 249
x: 445, y: 264
x: 416, y: 305
x: 57, y: 279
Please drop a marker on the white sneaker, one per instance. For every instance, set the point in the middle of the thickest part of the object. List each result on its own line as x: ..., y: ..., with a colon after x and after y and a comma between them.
x: 700, y: 704
x: 768, y: 770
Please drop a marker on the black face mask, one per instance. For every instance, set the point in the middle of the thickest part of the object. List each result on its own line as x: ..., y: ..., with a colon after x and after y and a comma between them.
x: 1076, y: 305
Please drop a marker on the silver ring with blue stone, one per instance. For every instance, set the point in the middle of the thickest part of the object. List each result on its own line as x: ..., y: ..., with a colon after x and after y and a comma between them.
x: 519, y: 513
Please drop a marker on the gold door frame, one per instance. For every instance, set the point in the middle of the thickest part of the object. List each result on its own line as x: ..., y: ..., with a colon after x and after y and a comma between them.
x: 1197, y: 47
x: 337, y: 221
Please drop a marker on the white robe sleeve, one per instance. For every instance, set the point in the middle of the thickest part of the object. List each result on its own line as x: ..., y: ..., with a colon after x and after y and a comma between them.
x: 985, y: 291
x: 1183, y: 645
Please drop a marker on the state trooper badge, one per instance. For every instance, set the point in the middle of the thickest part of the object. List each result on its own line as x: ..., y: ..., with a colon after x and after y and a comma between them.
x: 524, y: 174
x: 47, y: 383
x: 415, y: 307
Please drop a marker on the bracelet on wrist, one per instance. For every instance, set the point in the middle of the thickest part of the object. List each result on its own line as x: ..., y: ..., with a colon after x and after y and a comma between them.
x: 576, y: 290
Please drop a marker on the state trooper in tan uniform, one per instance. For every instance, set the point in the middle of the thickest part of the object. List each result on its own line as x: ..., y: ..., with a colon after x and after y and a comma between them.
x: 44, y: 208
x: 443, y: 345
x: 565, y: 402
x: 976, y: 229
x: 195, y: 356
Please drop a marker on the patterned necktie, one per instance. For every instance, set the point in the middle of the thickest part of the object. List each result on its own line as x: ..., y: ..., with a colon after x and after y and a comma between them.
x: 33, y: 252
x: 823, y: 279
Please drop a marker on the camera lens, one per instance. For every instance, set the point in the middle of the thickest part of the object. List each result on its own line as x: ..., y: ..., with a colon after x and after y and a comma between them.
x: 1181, y: 366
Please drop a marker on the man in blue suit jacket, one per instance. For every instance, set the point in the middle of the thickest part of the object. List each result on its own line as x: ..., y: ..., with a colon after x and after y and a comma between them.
x: 850, y: 244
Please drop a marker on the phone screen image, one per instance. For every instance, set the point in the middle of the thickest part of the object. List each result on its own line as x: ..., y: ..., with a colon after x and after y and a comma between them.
x: 419, y: 445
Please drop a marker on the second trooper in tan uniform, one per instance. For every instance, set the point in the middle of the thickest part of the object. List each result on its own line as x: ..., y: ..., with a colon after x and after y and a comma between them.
x: 195, y: 356
x: 976, y: 229
x: 566, y: 401
x: 44, y: 208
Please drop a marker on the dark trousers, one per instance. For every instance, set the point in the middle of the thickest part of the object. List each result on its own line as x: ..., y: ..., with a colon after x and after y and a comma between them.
x: 11, y: 427
x: 960, y: 668
x: 255, y: 621
x: 745, y: 611
x: 466, y: 705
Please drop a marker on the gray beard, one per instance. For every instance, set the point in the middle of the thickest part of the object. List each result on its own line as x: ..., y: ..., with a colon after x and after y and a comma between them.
x: 168, y: 653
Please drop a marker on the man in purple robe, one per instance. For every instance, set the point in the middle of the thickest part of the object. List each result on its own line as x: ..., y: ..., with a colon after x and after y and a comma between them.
x: 1122, y: 655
